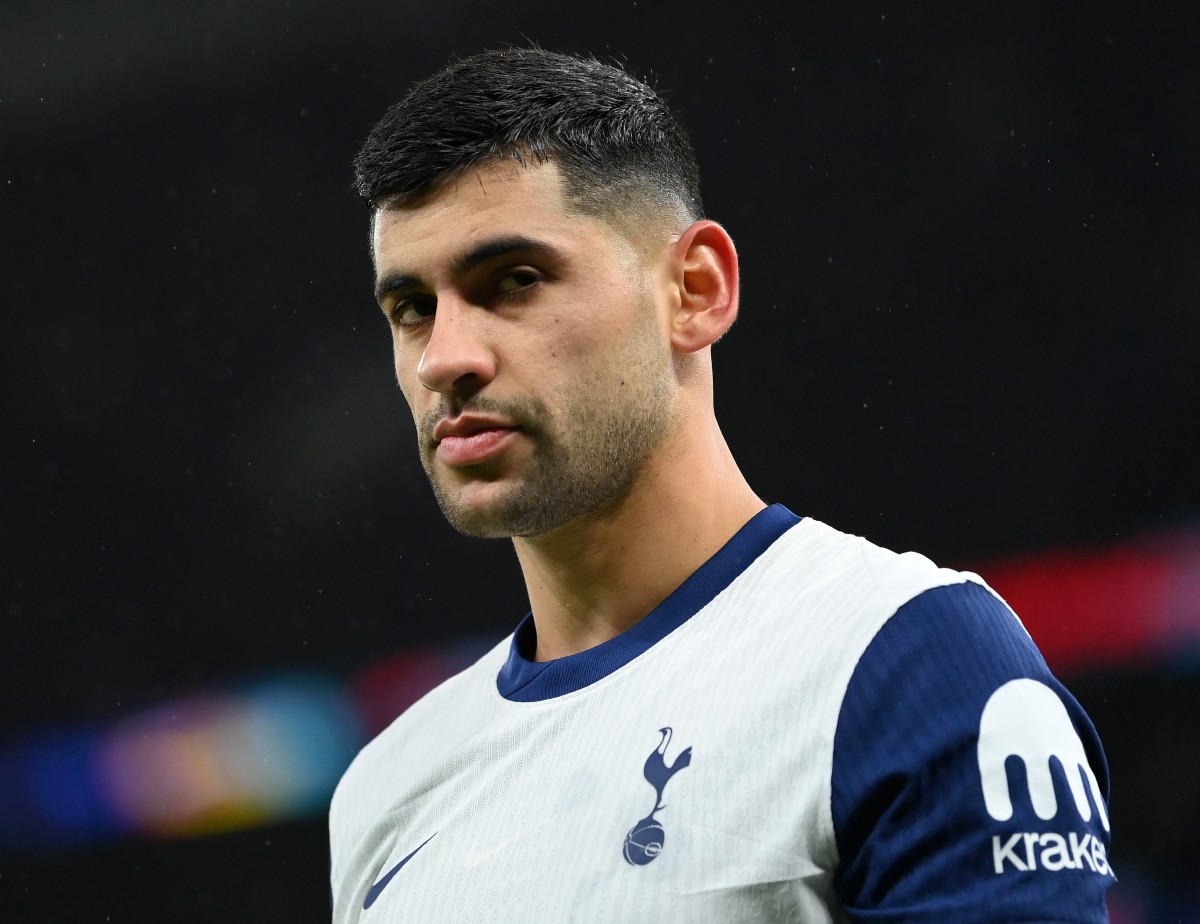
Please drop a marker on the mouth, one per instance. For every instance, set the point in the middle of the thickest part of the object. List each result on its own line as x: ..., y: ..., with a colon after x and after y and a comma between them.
x: 464, y: 441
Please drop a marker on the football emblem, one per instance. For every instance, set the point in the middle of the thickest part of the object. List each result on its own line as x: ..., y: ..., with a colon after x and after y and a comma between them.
x: 644, y: 842
x: 645, y: 839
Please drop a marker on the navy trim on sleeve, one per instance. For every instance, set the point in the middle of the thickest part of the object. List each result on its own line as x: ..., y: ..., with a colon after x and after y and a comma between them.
x: 524, y: 680
x: 959, y: 791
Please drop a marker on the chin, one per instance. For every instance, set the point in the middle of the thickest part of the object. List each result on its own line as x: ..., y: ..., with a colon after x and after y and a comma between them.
x: 480, y: 527
x: 477, y: 511
x: 522, y: 514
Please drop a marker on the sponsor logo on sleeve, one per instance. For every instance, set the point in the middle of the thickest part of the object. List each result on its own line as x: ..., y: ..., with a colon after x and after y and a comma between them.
x: 1026, y: 719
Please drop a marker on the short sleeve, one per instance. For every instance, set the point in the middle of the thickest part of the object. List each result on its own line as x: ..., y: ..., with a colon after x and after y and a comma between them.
x: 968, y: 785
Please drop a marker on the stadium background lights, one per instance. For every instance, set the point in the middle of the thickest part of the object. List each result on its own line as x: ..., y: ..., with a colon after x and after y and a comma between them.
x: 260, y: 752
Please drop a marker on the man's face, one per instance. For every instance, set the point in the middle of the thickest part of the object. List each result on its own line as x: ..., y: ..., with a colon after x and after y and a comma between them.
x: 531, y: 346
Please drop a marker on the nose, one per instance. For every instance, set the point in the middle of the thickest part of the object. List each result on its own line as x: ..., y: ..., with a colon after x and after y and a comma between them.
x: 458, y: 360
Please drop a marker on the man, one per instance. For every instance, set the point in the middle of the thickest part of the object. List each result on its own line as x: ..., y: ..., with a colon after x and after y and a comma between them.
x: 716, y: 711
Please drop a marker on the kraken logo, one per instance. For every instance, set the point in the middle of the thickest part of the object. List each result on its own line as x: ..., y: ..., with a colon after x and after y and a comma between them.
x: 645, y: 839
x: 1026, y: 719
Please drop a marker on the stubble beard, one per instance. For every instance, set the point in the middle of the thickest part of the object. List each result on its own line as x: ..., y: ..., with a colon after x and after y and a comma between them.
x: 586, y: 456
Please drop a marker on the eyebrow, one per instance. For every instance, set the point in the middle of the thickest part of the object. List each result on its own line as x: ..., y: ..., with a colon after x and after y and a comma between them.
x: 464, y: 263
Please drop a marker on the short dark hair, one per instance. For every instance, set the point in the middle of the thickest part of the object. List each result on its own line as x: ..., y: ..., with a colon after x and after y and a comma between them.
x: 613, y: 138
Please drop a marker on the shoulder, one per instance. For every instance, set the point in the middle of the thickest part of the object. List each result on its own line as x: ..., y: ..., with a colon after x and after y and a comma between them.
x: 822, y: 597
x: 965, y: 776
x: 825, y: 595
x: 962, y: 780
x: 431, y: 726
x: 818, y: 561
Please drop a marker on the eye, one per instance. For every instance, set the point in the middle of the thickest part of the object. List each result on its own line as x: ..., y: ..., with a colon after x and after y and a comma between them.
x: 517, y: 281
x: 411, y: 310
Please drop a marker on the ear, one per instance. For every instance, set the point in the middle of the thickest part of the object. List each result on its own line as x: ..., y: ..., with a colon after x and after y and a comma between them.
x: 705, y: 270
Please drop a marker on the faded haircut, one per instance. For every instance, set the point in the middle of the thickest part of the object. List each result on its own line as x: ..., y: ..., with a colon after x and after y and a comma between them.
x: 618, y: 147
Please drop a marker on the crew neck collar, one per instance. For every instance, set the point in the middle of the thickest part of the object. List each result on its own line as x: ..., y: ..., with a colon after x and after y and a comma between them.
x: 523, y: 680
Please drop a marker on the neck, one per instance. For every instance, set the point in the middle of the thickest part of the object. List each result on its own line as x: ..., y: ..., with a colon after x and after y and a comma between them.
x: 598, y: 575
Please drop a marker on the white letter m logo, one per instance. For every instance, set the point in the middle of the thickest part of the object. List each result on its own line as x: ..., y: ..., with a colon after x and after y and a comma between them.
x: 1026, y: 719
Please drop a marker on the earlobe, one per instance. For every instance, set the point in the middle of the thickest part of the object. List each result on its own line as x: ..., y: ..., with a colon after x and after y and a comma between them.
x: 706, y: 275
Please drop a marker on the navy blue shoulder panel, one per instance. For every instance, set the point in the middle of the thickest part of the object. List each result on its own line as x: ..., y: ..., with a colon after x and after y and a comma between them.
x: 959, y: 788
x: 524, y: 680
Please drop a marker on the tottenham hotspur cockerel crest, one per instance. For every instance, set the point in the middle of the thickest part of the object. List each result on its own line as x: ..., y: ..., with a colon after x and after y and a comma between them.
x: 645, y: 839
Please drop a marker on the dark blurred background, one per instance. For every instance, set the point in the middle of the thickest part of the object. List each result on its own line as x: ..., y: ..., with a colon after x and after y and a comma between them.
x: 971, y: 264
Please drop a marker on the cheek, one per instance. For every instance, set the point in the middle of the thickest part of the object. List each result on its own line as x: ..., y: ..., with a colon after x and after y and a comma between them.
x: 405, y: 368
x: 603, y: 351
x: 575, y: 342
x: 404, y: 359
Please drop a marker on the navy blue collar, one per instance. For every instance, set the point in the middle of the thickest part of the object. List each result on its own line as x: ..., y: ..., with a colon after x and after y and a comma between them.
x: 526, y: 681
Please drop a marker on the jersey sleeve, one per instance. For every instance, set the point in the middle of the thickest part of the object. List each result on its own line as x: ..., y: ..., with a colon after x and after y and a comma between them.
x: 968, y: 785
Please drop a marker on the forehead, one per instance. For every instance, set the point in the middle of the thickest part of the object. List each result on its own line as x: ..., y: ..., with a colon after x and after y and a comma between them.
x: 496, y: 200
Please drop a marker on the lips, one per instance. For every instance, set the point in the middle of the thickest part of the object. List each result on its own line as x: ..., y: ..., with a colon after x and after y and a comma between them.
x: 471, y: 440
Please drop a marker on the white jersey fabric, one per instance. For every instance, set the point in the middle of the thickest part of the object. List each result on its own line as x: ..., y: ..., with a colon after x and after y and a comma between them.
x: 810, y: 728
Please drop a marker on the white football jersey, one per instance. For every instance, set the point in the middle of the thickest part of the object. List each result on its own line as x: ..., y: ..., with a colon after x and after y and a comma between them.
x: 810, y: 728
